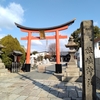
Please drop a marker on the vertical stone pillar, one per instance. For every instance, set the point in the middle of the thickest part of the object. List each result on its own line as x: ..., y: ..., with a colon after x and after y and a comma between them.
x: 89, y: 75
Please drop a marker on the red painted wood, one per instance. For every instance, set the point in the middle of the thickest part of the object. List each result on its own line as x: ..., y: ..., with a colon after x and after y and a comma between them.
x: 47, y: 37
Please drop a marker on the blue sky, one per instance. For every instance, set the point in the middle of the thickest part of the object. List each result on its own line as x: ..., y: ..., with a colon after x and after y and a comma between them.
x: 45, y: 13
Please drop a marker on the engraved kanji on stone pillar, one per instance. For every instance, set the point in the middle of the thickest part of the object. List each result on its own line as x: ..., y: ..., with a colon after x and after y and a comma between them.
x: 89, y: 75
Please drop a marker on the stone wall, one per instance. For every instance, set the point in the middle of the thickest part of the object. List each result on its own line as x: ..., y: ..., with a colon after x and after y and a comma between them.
x: 97, y: 63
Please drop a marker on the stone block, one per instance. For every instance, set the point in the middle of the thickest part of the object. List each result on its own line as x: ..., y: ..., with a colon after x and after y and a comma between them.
x: 76, y: 98
x: 70, y: 79
x: 72, y: 74
x: 3, y: 70
x: 21, y: 97
x: 63, y: 95
x: 79, y: 93
x: 41, y: 68
x: 73, y: 94
x: 72, y: 69
x: 43, y: 94
x: 2, y: 66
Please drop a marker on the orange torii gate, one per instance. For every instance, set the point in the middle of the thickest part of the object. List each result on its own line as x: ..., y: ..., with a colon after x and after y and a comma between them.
x: 42, y: 31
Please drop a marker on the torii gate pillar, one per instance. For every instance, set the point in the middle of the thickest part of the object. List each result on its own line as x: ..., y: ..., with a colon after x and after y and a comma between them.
x: 58, y: 66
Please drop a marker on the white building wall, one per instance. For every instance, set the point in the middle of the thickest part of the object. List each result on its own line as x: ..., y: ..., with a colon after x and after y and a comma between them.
x: 96, y: 50
x: 79, y: 58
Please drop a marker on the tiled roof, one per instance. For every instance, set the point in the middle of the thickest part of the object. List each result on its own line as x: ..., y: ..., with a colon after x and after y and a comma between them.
x: 97, y: 39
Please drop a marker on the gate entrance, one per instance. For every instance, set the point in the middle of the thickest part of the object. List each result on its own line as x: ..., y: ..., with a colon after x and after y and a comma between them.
x: 42, y: 31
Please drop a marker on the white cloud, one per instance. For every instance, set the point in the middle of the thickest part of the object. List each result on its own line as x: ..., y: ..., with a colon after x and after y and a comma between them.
x: 36, y: 42
x: 63, y: 42
x: 95, y: 23
x: 32, y: 49
x: 10, y: 14
x: 35, y: 45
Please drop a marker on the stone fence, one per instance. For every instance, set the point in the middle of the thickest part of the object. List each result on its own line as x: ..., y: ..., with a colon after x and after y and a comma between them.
x: 97, y: 63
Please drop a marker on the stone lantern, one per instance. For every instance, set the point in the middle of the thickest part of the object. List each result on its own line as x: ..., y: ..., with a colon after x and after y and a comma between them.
x: 72, y: 70
x: 71, y: 45
x: 3, y: 71
x: 1, y: 64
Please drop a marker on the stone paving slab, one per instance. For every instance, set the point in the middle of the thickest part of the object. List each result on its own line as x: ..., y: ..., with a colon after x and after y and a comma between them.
x: 35, y: 92
x: 21, y: 98
x: 32, y: 98
x: 13, y: 97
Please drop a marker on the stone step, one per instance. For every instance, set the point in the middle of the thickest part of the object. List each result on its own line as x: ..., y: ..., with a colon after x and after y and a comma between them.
x: 3, y: 70
x: 71, y: 79
x: 72, y: 69
x: 72, y: 74
x: 64, y: 73
x: 2, y: 66
x: 3, y: 74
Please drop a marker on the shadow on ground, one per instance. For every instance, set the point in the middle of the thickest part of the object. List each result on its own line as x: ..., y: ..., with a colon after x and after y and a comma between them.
x: 60, y: 90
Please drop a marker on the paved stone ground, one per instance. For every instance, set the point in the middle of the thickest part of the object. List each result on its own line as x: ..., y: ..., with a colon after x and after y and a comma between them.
x: 39, y: 86
x: 14, y: 88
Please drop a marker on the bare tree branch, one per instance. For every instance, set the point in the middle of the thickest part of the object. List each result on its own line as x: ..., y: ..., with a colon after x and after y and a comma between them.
x: 52, y: 48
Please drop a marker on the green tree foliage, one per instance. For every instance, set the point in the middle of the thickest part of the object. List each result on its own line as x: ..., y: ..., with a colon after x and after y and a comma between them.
x: 10, y: 44
x: 40, y: 58
x: 96, y: 31
x: 77, y: 37
x: 47, y: 56
x: 34, y: 52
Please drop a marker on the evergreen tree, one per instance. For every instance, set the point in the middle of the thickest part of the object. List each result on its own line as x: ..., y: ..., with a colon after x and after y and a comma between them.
x: 77, y: 37
x: 96, y: 31
x: 10, y: 45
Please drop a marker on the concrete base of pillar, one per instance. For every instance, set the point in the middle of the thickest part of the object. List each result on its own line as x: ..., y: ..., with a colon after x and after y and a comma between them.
x: 27, y: 67
x: 58, y: 68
